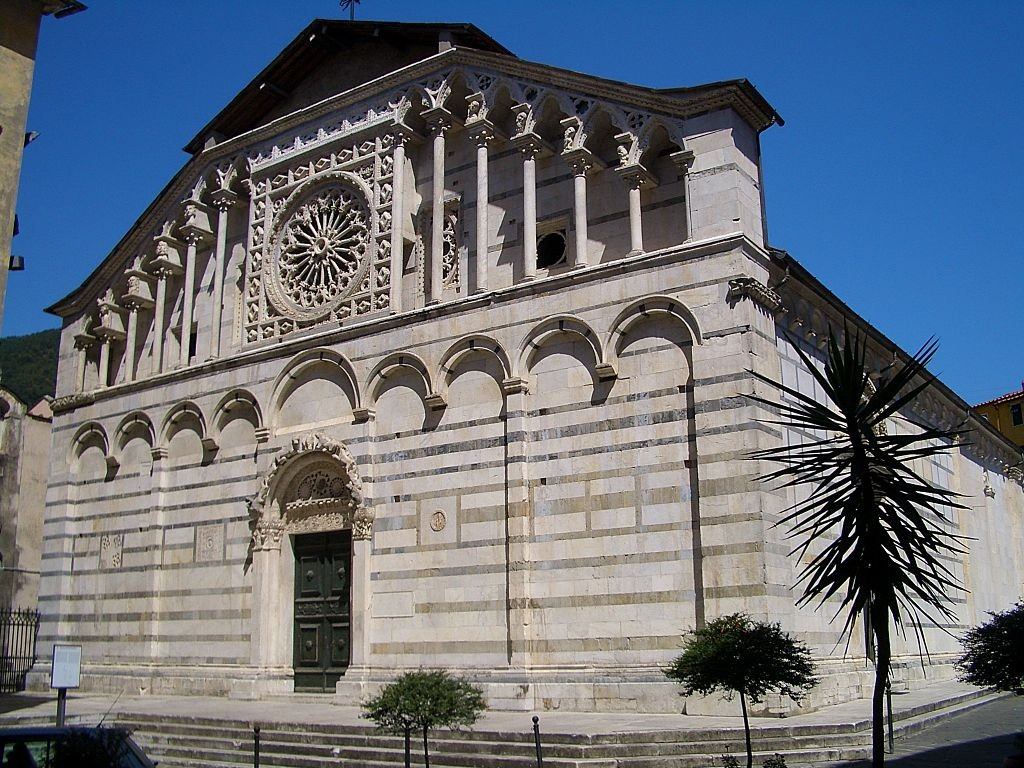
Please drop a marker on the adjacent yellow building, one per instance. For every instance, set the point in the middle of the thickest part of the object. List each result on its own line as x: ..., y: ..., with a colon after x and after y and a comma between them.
x: 1006, y: 413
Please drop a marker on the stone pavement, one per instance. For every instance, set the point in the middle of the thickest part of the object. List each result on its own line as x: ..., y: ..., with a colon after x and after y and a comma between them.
x: 89, y: 708
x: 978, y: 738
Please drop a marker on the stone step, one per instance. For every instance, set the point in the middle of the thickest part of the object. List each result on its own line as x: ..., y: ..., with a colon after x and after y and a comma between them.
x: 351, y: 756
x: 684, y: 743
x: 218, y: 742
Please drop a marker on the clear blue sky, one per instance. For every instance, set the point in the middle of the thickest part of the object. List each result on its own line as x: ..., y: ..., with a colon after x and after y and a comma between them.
x: 897, y: 178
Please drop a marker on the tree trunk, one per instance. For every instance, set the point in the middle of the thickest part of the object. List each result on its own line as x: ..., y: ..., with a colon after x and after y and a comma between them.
x: 880, y: 620
x: 746, y: 730
x: 426, y: 752
x: 408, y: 747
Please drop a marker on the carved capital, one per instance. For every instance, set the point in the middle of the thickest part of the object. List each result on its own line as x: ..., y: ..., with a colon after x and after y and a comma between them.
x: 84, y: 340
x: 580, y: 161
x: 683, y: 159
x: 636, y: 176
x: 268, y: 534
x: 223, y: 199
x: 530, y: 144
x: 481, y: 132
x: 362, y: 524
x: 438, y: 120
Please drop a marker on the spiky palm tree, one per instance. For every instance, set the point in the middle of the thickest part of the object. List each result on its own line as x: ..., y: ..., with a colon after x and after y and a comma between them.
x: 878, y: 522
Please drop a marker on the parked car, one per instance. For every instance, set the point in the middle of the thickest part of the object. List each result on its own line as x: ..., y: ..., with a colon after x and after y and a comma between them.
x: 70, y: 747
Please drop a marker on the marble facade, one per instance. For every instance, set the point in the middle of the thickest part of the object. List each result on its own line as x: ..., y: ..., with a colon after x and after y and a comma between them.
x: 490, y: 321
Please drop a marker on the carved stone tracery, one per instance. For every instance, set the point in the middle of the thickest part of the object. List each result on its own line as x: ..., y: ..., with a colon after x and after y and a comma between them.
x: 321, y: 250
x: 324, y: 494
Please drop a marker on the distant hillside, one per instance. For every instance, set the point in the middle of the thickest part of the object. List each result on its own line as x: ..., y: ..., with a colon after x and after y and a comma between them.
x: 28, y: 364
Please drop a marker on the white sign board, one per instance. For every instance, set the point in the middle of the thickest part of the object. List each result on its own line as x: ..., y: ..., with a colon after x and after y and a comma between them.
x: 66, y: 671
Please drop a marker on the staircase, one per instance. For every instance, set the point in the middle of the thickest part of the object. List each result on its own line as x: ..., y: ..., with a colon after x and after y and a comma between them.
x: 193, y: 742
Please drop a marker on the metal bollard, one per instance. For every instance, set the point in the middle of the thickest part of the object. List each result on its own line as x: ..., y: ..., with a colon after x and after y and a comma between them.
x: 536, y: 741
x: 255, y: 746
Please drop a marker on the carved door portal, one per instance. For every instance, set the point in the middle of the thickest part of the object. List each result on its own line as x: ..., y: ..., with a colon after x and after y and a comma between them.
x: 323, y: 566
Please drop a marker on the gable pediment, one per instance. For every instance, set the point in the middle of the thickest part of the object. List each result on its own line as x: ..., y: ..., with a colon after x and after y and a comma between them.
x: 330, y: 57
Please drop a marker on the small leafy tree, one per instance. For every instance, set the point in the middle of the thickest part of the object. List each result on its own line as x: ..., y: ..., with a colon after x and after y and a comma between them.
x: 994, y: 652
x: 736, y: 654
x: 423, y: 700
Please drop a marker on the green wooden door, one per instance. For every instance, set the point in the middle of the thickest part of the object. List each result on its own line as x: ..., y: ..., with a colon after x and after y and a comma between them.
x: 323, y: 567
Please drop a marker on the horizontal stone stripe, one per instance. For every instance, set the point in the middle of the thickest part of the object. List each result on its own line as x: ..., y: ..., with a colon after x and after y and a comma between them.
x: 746, y: 426
x: 445, y: 649
x: 613, y: 448
x: 233, y: 562
x: 608, y: 534
x: 467, y: 606
x: 633, y: 421
x: 156, y: 487
x: 725, y: 486
x: 447, y: 546
x: 598, y: 644
x: 496, y: 421
x: 623, y: 214
x: 105, y: 639
x: 743, y: 548
x: 748, y: 590
x: 156, y: 594
x: 685, y: 596
x: 86, y: 518
x: 212, y: 614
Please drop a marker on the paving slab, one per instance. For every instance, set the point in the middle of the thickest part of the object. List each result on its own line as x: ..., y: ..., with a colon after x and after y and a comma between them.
x: 90, y: 708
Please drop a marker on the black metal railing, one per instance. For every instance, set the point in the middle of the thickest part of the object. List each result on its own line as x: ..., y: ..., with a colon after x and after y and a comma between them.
x: 18, y: 630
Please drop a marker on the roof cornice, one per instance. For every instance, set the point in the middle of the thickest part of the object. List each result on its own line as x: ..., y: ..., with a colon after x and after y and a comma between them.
x: 794, y: 269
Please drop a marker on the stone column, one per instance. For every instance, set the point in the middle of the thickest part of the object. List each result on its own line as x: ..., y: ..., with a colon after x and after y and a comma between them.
x: 530, y: 151
x: 362, y: 547
x: 580, y: 162
x: 223, y: 199
x: 266, y: 609
x: 518, y: 513
x: 636, y: 237
x: 439, y: 121
x: 196, y: 231
x: 130, y: 341
x: 635, y: 177
x: 166, y: 264
x: 683, y: 160
x: 109, y: 329
x: 192, y: 239
x: 482, y: 132
x: 397, y: 220
x: 83, y: 343
x: 138, y: 297
x: 162, y: 276
x: 104, y: 361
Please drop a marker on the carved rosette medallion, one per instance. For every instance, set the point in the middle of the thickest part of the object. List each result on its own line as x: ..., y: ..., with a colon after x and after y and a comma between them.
x: 319, y: 256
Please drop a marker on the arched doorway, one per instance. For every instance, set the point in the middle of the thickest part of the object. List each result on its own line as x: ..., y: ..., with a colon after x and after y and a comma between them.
x: 310, y: 559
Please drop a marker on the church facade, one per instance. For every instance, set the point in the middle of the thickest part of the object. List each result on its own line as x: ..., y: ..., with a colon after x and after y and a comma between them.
x: 430, y: 356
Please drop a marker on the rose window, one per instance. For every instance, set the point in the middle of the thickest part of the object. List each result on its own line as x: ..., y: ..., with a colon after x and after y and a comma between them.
x: 322, y: 249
